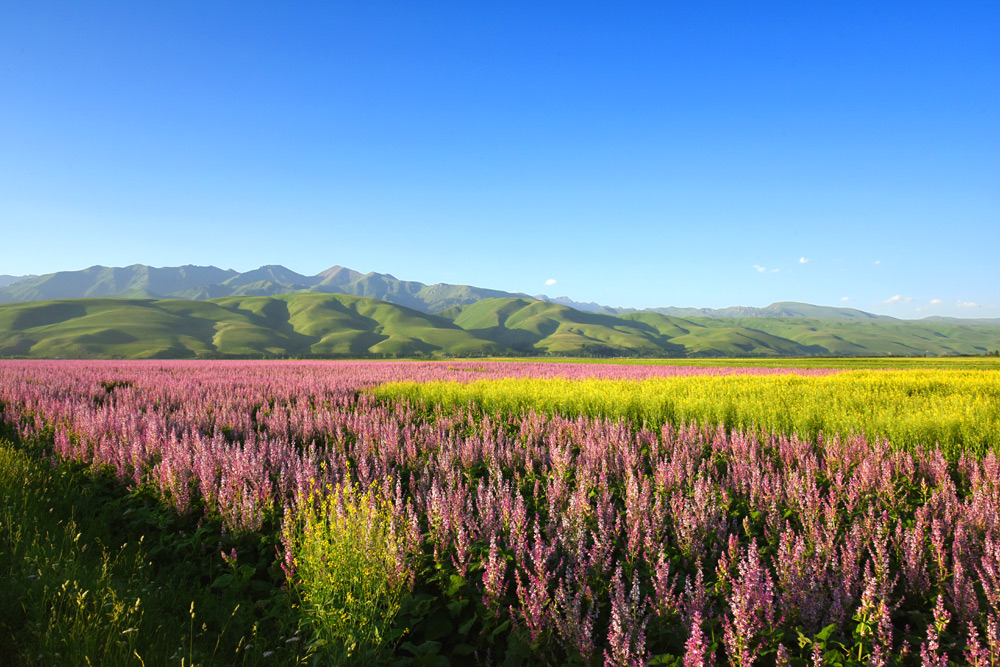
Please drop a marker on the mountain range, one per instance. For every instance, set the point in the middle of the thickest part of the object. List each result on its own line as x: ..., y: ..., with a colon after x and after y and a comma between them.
x: 209, y: 282
x: 8, y: 280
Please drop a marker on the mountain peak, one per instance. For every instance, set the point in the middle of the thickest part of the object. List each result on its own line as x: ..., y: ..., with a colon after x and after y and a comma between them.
x: 338, y: 275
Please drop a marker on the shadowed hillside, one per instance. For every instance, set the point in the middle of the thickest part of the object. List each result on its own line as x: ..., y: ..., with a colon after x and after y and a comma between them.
x: 340, y: 325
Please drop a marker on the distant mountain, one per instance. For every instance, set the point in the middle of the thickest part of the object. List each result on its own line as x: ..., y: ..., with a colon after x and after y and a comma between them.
x: 10, y: 280
x: 209, y: 282
x: 134, y: 281
x: 342, y: 325
x: 585, y: 306
x: 779, y: 309
x: 963, y: 320
x: 338, y: 275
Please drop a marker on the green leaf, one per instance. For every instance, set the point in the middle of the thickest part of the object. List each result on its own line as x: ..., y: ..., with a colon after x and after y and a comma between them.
x: 426, y: 648
x: 825, y: 633
x: 456, y: 607
x: 518, y: 650
x: 502, y: 628
x: 833, y: 658
x: 464, y: 649
x: 465, y: 627
x: 455, y: 584
x: 438, y: 626
x: 222, y: 580
x: 434, y: 661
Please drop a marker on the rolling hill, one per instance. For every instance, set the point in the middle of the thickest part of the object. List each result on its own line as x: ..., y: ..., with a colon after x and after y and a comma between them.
x: 344, y: 325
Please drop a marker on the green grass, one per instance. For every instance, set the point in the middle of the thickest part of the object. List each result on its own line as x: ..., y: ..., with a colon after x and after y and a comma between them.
x: 837, y: 363
x: 355, y: 326
x: 93, y: 575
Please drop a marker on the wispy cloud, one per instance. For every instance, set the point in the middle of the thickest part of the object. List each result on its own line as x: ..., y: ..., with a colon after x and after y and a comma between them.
x: 551, y: 281
x: 803, y: 260
x: 845, y: 298
x: 763, y: 269
x: 967, y: 304
x: 877, y: 261
x: 935, y: 302
x: 899, y: 298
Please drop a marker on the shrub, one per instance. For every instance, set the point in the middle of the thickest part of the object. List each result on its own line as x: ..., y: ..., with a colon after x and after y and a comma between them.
x: 349, y: 568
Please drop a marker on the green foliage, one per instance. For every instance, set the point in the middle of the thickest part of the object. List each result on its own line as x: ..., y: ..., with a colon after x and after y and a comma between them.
x: 76, y: 610
x: 350, y: 571
x: 92, y: 574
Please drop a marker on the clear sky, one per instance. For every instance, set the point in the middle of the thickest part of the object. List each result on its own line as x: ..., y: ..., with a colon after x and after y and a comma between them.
x: 638, y: 154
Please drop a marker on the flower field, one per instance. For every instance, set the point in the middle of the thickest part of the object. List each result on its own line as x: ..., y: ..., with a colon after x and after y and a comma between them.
x: 517, y: 513
x: 957, y: 410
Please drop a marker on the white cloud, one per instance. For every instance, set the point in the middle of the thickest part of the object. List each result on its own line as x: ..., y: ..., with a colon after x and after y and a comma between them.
x: 759, y: 269
x: 803, y: 260
x: 967, y: 304
x: 935, y: 302
x: 845, y: 298
x: 878, y: 261
x: 551, y: 281
x: 898, y: 299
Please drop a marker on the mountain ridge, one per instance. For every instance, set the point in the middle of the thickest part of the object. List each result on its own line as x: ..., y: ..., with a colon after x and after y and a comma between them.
x: 209, y: 282
x: 10, y: 280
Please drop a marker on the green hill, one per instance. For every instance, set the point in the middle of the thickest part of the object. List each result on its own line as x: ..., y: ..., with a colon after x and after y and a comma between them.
x: 341, y: 325
x: 295, y: 324
x: 526, y: 325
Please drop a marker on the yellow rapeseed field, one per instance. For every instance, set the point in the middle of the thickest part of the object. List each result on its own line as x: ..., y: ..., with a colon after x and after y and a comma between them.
x: 958, y: 409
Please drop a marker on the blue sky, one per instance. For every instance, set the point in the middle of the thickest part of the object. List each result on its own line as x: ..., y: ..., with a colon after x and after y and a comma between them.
x: 638, y: 154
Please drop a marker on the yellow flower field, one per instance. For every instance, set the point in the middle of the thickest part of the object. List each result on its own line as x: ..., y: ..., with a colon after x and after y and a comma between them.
x: 958, y: 409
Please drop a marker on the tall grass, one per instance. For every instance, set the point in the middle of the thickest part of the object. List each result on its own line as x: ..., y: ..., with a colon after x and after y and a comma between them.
x: 62, y: 601
x: 91, y: 576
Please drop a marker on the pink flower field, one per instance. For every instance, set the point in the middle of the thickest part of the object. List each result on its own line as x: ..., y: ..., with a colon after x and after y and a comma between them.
x: 560, y: 539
